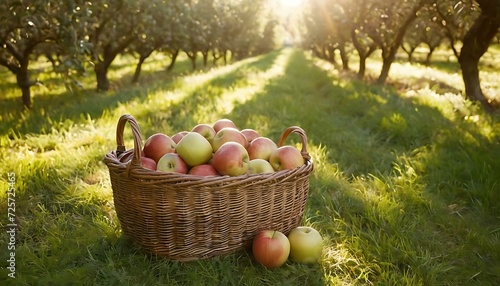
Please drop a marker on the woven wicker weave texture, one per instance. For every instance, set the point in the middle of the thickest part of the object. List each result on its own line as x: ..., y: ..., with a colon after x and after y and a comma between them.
x: 186, y: 217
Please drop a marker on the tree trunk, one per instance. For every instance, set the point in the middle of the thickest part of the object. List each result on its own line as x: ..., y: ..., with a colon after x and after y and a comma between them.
x: 23, y: 81
x: 175, y: 53
x: 138, y: 68
x: 386, y: 65
x: 429, y: 56
x: 389, y: 52
x: 101, y: 73
x: 344, y: 57
x: 192, y: 56
x: 475, y: 44
x: 205, y: 57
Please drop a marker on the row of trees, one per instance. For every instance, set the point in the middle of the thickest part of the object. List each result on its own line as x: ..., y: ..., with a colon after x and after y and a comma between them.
x: 76, y: 34
x: 387, y: 25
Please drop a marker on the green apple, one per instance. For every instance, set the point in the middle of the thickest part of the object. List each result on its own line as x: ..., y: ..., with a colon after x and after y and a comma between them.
x: 194, y: 149
x: 306, y: 244
x: 259, y: 166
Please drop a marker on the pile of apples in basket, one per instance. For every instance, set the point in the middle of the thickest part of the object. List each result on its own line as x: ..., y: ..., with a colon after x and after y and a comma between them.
x: 220, y: 149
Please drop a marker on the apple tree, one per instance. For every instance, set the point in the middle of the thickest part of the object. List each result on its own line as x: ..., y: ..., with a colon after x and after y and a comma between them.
x: 25, y: 26
x: 475, y: 24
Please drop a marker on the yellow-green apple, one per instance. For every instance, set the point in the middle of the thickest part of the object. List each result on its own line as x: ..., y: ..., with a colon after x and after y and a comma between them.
x: 261, y: 148
x: 270, y: 248
x: 250, y: 134
x: 231, y: 159
x: 178, y: 136
x: 194, y: 149
x: 259, y: 166
x: 206, y: 130
x: 148, y: 163
x: 203, y: 170
x: 228, y: 134
x: 172, y: 162
x: 221, y: 123
x: 286, y: 157
x: 158, y: 145
x: 306, y: 244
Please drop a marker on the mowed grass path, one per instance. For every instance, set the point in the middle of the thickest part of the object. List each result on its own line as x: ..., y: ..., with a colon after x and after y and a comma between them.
x: 405, y: 189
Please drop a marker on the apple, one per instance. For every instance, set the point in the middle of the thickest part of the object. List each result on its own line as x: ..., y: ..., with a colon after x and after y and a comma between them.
x: 206, y: 130
x: 306, y: 244
x: 271, y: 248
x: 228, y: 134
x: 221, y: 123
x: 261, y: 148
x: 148, y: 163
x: 158, y: 145
x: 172, y: 162
x: 259, y: 166
x: 206, y: 170
x: 231, y: 159
x: 250, y: 134
x: 178, y: 136
x: 194, y: 149
x: 286, y: 157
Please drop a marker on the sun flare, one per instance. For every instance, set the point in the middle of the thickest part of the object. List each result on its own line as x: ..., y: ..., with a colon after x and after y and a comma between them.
x: 291, y: 3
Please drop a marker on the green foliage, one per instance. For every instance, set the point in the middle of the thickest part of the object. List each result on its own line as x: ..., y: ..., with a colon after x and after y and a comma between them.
x: 405, y: 188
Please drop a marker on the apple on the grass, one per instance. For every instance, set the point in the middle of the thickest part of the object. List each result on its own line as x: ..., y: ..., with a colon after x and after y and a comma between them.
x: 250, y: 134
x: 172, y: 162
x: 259, y: 166
x: 205, y: 170
x: 231, y: 159
x: 178, y: 136
x: 222, y: 123
x: 206, y: 130
x: 286, y: 157
x: 148, y: 163
x: 261, y: 148
x: 228, y: 134
x: 158, y: 145
x: 306, y: 244
x: 271, y: 248
x: 194, y: 149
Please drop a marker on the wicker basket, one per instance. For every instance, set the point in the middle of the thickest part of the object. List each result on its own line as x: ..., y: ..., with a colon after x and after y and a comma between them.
x: 187, y: 217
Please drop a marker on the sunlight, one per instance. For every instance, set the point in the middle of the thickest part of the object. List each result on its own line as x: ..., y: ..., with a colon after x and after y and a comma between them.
x: 291, y: 3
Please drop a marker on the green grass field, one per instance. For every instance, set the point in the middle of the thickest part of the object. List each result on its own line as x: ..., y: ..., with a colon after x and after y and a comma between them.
x: 405, y: 189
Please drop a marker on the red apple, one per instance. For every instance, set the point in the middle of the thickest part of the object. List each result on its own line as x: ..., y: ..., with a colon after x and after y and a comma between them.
x: 194, y: 149
x: 158, y: 145
x: 286, y: 157
x: 221, y: 123
x: 231, y: 159
x: 271, y: 248
x: 178, y: 136
x: 261, y: 148
x: 250, y: 134
x: 172, y: 162
x: 306, y: 244
x: 228, y: 134
x: 206, y: 170
x: 206, y: 130
x: 259, y: 166
x: 148, y: 163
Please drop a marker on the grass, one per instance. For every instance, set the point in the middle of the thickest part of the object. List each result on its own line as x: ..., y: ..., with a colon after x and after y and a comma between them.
x: 405, y: 189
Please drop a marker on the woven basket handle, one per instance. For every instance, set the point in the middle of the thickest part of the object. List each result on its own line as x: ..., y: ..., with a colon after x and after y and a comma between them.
x: 136, y: 132
x: 303, y: 138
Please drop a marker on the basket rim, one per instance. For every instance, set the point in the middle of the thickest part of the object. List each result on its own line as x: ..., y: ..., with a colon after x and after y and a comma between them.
x: 134, y: 170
